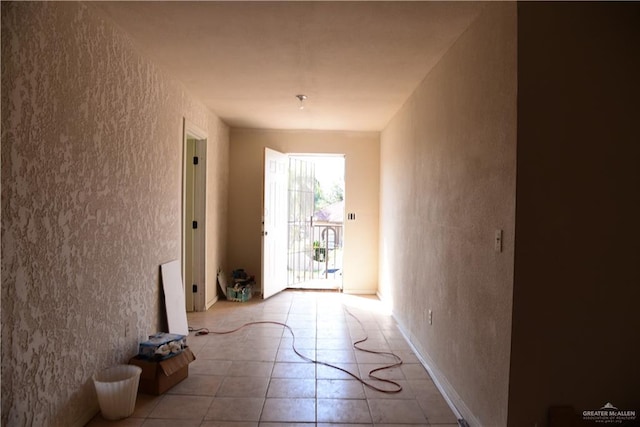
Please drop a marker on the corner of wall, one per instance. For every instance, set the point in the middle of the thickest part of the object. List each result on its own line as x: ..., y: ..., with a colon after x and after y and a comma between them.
x: 576, y: 254
x: 447, y: 185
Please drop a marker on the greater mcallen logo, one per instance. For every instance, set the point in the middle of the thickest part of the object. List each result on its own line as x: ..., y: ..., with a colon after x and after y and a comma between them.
x: 609, y: 414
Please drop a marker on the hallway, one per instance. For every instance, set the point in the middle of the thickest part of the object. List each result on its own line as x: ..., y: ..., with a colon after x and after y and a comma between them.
x: 253, y: 378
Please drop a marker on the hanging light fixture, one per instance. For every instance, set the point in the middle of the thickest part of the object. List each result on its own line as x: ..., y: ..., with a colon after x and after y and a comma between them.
x: 301, y: 98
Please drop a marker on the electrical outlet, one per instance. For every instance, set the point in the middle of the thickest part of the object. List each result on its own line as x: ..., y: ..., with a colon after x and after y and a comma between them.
x: 430, y: 317
x: 497, y: 241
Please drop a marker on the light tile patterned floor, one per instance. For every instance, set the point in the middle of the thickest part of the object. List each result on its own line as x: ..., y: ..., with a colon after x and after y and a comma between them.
x: 252, y: 378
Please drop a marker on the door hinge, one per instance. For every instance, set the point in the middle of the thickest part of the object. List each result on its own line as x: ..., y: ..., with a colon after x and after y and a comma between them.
x: 195, y: 160
x: 194, y: 224
x: 194, y: 288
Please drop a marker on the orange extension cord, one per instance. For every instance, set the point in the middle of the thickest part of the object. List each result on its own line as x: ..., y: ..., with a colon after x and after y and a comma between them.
x: 397, y: 388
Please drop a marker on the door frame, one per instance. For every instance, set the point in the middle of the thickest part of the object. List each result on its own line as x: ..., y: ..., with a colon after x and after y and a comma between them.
x: 267, y: 234
x: 194, y: 301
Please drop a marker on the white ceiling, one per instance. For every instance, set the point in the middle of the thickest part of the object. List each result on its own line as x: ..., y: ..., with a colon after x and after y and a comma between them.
x: 357, y: 62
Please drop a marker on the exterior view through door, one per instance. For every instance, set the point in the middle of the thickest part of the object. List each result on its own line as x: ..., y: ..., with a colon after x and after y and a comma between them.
x: 316, y: 214
x: 302, y: 224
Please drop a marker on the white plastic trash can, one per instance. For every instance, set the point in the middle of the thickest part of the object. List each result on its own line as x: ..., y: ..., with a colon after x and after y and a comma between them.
x: 117, y: 389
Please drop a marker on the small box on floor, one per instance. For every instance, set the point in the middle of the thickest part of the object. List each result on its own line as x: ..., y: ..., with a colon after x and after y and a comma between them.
x: 240, y: 293
x: 159, y: 376
x: 242, y: 288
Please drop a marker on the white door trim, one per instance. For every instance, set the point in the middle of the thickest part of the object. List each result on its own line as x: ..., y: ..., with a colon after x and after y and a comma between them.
x: 195, y: 301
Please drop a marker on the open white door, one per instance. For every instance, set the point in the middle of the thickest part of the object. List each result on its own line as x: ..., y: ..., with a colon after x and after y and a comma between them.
x: 274, y: 222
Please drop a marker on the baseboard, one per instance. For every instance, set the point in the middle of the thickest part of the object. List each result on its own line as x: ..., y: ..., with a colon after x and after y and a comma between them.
x: 209, y: 304
x: 359, y: 291
x: 86, y: 416
x: 460, y: 409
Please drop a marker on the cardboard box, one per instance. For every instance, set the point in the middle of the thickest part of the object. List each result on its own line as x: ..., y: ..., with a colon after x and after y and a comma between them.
x: 159, y: 376
x: 170, y: 344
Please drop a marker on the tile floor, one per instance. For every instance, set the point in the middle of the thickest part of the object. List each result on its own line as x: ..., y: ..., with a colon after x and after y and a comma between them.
x: 252, y: 378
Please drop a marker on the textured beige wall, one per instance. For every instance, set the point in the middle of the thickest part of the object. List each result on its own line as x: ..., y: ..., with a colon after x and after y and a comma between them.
x: 216, y: 208
x: 361, y: 150
x: 447, y: 183
x: 577, y: 256
x: 91, y: 204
